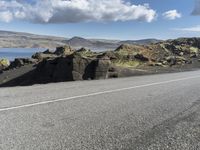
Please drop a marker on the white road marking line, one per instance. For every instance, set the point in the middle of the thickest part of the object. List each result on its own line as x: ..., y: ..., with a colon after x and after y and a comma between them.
x: 94, y: 94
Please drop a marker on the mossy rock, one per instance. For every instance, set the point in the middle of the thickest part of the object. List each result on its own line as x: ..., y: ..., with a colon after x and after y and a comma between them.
x: 194, y: 50
x: 85, y: 53
x: 4, y: 63
x: 127, y: 63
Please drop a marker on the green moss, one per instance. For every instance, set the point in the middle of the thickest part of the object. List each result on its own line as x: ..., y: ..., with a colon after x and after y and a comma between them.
x: 86, y: 53
x: 126, y: 63
x: 4, y: 62
x: 194, y: 50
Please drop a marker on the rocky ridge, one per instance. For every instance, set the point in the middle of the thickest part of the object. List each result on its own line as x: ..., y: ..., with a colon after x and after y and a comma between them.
x: 67, y: 64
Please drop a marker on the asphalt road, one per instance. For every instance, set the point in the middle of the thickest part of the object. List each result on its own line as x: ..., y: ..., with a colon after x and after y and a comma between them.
x: 155, y: 112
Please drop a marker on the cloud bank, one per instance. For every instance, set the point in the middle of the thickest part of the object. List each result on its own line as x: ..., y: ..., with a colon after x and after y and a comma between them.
x: 72, y: 11
x: 196, y: 10
x: 172, y: 15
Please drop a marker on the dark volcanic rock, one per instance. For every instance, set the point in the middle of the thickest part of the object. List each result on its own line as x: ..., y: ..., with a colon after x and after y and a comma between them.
x: 65, y: 50
x: 195, y: 42
x: 71, y: 68
x: 19, y: 62
x: 141, y: 57
x: 110, y: 54
x: 60, y: 51
x: 101, y: 67
x: 48, y: 52
x: 41, y: 56
x: 83, y: 50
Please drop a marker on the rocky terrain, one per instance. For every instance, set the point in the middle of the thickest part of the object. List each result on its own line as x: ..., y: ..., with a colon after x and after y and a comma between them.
x: 26, y: 40
x: 68, y: 64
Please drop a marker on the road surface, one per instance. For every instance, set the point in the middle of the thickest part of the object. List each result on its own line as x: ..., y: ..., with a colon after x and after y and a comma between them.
x: 155, y: 112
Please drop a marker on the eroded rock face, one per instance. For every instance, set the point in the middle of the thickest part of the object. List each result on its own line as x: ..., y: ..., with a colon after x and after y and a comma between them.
x: 72, y: 68
x: 102, y: 66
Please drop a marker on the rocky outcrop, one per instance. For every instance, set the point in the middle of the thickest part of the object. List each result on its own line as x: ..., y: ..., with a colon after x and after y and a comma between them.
x: 141, y: 57
x: 48, y: 52
x: 110, y: 54
x: 102, y: 66
x: 4, y: 63
x: 42, y: 56
x: 85, y: 52
x: 63, y: 51
x: 71, y: 68
x: 194, y: 42
x: 19, y: 62
x: 66, y: 64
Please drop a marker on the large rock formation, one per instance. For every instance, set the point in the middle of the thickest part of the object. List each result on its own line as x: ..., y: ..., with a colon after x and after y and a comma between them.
x: 71, y: 68
x: 66, y: 64
x: 19, y: 62
x: 63, y: 51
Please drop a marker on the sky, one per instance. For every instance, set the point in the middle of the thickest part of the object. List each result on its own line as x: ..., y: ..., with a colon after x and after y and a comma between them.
x: 103, y: 19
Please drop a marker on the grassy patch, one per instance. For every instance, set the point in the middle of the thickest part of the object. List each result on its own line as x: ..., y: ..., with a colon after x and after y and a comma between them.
x: 4, y: 62
x: 86, y: 54
x: 126, y: 63
x: 194, y: 50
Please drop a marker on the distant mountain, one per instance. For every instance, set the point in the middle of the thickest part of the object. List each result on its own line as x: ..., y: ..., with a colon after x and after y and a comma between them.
x: 103, y: 44
x: 141, y: 42
x: 78, y: 42
x: 10, y: 39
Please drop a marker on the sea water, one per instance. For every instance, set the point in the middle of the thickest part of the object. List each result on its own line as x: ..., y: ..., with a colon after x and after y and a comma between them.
x: 12, y: 53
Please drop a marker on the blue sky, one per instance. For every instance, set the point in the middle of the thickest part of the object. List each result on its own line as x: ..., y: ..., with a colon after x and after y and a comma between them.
x: 162, y: 19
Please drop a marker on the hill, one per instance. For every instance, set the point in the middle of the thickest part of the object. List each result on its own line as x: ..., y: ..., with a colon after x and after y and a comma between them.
x: 10, y: 39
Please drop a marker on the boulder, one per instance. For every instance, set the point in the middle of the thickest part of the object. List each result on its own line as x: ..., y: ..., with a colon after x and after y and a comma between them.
x: 113, y: 72
x: 41, y: 56
x: 171, y: 60
x: 141, y: 57
x: 63, y: 51
x: 48, y: 52
x: 110, y: 54
x: 176, y: 60
x: 101, y: 68
x: 124, y: 47
x: 71, y: 68
x: 19, y: 62
x: 85, y: 52
x: 4, y: 63
x: 158, y: 64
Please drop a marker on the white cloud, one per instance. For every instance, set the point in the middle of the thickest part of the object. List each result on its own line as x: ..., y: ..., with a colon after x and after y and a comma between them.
x: 189, y: 29
x: 172, y: 15
x: 69, y: 11
x: 196, y: 10
x: 6, y: 16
